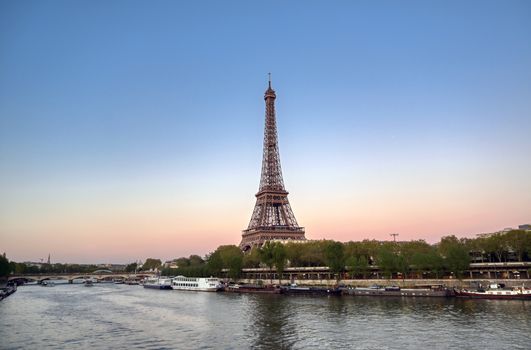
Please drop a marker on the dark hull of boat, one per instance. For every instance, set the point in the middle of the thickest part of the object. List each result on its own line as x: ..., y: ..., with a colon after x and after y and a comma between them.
x: 7, y: 291
x: 311, y: 291
x: 156, y: 287
x: 402, y: 293
x: 254, y: 289
x: 479, y: 295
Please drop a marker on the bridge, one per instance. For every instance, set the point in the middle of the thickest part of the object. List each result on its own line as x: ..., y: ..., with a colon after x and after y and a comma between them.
x: 99, y: 275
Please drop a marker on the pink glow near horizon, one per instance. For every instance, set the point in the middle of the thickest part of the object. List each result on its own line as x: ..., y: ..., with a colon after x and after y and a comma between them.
x: 129, y: 238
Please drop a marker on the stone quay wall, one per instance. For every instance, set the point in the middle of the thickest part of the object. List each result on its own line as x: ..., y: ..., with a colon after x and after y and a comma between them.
x: 404, y: 283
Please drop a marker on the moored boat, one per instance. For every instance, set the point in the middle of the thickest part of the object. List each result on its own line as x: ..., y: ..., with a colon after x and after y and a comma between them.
x: 253, y: 288
x: 157, y: 283
x: 496, y: 291
x: 396, y: 291
x: 202, y: 284
x: 88, y: 283
x: 294, y: 289
x: 7, y: 291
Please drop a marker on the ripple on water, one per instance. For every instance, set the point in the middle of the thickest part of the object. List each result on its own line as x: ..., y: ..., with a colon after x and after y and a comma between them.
x: 123, y: 317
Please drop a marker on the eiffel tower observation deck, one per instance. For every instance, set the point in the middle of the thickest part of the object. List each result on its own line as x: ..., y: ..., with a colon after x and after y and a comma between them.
x: 272, y: 217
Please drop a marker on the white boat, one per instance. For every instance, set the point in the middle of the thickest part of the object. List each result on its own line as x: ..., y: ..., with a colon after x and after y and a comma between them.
x: 157, y: 283
x: 203, y: 284
x: 48, y: 284
x: 496, y: 291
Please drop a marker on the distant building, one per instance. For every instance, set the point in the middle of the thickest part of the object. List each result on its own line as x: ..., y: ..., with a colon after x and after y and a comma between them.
x: 525, y: 227
x: 170, y: 264
x: 111, y: 267
x: 33, y: 264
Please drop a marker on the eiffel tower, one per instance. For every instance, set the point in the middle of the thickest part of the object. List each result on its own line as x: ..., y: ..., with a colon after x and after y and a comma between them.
x: 272, y: 217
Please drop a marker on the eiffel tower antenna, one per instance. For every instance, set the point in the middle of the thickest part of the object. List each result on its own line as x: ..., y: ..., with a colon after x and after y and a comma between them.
x: 272, y: 217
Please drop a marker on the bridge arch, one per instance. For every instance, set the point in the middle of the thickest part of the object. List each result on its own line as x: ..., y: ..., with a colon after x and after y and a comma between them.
x: 75, y: 276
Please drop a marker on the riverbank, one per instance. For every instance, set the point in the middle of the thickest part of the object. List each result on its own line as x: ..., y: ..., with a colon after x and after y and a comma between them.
x: 403, y: 283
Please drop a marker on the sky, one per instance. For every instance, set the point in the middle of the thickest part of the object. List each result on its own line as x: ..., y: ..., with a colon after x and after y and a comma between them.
x: 133, y: 129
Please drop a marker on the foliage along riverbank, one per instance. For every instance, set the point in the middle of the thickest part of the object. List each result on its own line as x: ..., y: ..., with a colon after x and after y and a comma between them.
x: 354, y: 259
x: 450, y: 255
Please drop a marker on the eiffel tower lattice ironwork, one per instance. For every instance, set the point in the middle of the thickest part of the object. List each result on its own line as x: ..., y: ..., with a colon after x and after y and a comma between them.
x: 272, y: 217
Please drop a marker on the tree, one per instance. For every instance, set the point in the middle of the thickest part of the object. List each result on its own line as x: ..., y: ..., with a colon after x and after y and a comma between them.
x: 335, y: 258
x: 233, y: 260
x: 313, y: 253
x: 226, y: 256
x: 279, y: 258
x: 358, y: 266
x: 267, y: 251
x: 273, y: 254
x: 182, y: 262
x: 387, y: 260
x: 5, y: 269
x: 519, y: 241
x: 402, y: 265
x: 427, y: 261
x: 151, y: 264
x: 455, y: 253
x: 252, y: 258
x: 294, y: 252
x: 370, y: 248
x: 214, y: 263
x: 131, y: 267
x: 406, y: 252
x: 498, y: 244
x: 195, y: 260
x: 476, y: 248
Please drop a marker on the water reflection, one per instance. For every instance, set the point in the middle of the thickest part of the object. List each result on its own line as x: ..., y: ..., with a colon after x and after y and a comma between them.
x: 271, y: 323
x: 123, y: 317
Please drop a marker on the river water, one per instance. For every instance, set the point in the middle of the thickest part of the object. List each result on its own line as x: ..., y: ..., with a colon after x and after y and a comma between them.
x: 113, y: 316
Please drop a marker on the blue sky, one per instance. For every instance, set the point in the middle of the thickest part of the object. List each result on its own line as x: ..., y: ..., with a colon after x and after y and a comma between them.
x: 141, y: 119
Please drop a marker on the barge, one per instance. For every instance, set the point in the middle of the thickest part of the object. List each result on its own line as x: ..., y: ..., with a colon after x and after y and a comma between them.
x: 253, y: 288
x: 395, y: 291
x: 157, y: 283
x: 495, y: 291
x: 298, y: 290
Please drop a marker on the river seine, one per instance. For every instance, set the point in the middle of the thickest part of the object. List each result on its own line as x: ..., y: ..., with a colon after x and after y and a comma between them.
x: 109, y: 316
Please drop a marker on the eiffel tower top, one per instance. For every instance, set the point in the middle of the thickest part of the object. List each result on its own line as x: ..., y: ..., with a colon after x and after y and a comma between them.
x: 270, y: 92
x: 271, y: 178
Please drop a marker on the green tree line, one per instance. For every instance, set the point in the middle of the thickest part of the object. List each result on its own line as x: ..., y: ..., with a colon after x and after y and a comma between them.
x: 354, y: 259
